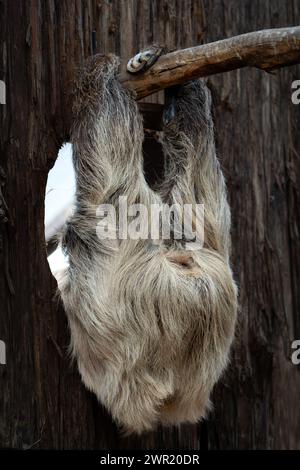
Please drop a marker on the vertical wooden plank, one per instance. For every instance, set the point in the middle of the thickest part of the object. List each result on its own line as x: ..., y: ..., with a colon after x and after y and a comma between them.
x: 256, y: 405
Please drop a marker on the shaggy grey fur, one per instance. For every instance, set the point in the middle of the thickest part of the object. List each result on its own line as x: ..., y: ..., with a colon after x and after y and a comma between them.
x: 151, y: 323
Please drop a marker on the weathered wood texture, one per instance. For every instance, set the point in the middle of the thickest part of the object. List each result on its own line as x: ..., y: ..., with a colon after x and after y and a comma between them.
x: 42, y: 401
x: 266, y: 50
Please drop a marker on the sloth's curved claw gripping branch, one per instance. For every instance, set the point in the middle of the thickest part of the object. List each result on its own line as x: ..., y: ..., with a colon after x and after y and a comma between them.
x: 144, y: 59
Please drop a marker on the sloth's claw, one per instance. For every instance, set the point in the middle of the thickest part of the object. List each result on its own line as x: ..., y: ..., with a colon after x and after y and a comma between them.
x: 144, y: 59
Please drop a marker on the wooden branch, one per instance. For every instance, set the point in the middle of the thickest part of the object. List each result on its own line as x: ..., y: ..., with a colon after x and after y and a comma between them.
x: 267, y: 50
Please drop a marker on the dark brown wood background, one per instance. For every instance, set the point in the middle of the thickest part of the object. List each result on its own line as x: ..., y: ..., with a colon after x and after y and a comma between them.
x: 42, y: 401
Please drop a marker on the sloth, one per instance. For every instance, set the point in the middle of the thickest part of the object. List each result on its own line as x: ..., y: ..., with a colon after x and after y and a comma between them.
x: 151, y: 321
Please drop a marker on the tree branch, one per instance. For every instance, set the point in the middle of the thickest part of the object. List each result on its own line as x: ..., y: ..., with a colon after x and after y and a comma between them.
x: 267, y: 50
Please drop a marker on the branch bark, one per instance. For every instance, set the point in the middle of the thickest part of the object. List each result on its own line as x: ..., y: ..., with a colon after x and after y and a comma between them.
x: 267, y: 50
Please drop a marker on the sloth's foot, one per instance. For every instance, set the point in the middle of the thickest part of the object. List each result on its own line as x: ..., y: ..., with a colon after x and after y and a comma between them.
x: 144, y: 59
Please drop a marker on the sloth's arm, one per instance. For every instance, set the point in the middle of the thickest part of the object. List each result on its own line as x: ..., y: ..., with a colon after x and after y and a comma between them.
x: 106, y: 138
x: 107, y: 134
x: 193, y: 170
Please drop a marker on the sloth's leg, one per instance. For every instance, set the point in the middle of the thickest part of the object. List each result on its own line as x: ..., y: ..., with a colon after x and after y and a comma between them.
x: 193, y: 174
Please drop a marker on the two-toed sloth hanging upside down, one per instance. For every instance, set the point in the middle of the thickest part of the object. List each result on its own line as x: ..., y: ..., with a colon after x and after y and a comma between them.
x: 151, y: 321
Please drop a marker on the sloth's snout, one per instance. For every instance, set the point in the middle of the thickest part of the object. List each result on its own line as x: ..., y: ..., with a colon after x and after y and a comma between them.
x: 169, y: 112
